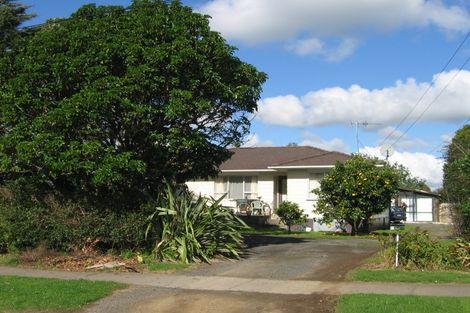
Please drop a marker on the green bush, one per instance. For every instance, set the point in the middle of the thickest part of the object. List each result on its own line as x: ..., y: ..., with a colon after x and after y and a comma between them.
x: 460, y: 250
x: 188, y: 229
x: 290, y: 214
x: 417, y: 251
x: 63, y: 225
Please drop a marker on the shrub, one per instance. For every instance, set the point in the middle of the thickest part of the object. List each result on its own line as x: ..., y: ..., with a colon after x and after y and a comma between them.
x: 27, y: 222
x: 290, y: 214
x: 460, y: 250
x: 417, y: 251
x: 189, y: 229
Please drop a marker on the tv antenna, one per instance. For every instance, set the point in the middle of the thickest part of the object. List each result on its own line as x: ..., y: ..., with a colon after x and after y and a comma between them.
x: 357, y: 124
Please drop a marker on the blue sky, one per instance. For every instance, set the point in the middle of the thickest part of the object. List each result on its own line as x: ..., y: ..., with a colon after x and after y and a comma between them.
x: 334, y: 62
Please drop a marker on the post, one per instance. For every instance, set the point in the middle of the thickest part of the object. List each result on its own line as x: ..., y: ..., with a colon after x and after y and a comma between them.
x: 397, y: 238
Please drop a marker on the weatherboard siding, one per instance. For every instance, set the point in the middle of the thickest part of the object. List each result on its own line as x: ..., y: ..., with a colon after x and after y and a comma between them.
x: 297, y: 190
x: 202, y: 187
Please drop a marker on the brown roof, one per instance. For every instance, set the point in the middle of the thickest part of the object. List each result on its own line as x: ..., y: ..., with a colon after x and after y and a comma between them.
x: 265, y: 157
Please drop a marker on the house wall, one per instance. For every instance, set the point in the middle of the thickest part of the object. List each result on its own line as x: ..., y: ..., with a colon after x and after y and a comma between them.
x: 202, y: 187
x: 266, y: 188
x: 298, y: 190
x: 299, y: 186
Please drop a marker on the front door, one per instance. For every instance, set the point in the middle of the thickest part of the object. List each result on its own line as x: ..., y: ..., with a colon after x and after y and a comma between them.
x: 282, y: 189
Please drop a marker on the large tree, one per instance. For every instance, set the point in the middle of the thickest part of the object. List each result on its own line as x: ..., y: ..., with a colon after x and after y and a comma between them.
x: 456, y: 174
x: 117, y: 100
x: 12, y: 14
x: 457, y: 180
x: 352, y: 192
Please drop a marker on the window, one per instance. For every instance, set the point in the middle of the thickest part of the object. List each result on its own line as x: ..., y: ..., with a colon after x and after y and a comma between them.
x: 313, y: 183
x: 237, y: 187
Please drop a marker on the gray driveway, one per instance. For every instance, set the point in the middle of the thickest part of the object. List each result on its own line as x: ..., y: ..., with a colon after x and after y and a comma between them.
x: 287, y: 258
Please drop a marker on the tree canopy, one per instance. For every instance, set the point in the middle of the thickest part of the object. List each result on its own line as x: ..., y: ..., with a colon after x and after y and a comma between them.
x: 456, y: 187
x: 406, y: 180
x: 12, y: 14
x: 352, y: 192
x: 456, y: 168
x: 117, y: 99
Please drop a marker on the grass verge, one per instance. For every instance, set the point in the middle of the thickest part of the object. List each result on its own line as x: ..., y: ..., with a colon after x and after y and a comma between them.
x: 27, y: 293
x: 161, y: 266
x: 371, y: 303
x: 392, y: 275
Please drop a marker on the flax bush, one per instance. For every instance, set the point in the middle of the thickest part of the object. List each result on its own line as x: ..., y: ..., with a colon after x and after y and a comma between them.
x: 189, y: 228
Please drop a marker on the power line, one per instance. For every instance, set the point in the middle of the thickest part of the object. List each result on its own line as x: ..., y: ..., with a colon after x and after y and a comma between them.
x: 431, y: 103
x: 427, y: 89
x: 447, y: 141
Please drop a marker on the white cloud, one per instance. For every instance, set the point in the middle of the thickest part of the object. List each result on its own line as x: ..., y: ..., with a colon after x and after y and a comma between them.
x: 312, y: 45
x: 334, y: 144
x: 388, y: 105
x: 260, y: 21
x: 255, y: 141
x: 422, y: 165
x: 308, y: 46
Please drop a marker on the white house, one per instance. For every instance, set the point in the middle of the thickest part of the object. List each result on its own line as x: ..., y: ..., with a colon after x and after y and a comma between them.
x: 272, y: 174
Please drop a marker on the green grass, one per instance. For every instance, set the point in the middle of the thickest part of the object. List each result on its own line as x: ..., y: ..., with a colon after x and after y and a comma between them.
x: 392, y: 275
x: 303, y: 234
x: 9, y: 260
x: 370, y: 303
x: 161, y: 266
x: 27, y: 293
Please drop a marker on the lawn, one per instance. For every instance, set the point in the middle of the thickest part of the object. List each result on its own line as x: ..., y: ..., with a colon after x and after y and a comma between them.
x: 161, y: 266
x: 392, y: 275
x: 27, y: 293
x: 371, y: 303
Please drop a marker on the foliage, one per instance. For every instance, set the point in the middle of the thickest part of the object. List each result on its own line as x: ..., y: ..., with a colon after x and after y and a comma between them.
x: 417, y: 250
x: 394, y: 275
x: 61, y: 224
x: 456, y: 174
x: 12, y: 14
x: 456, y: 187
x: 352, y: 192
x: 406, y: 180
x: 44, y: 294
x: 376, y: 303
x: 105, y: 105
x: 190, y: 229
x: 460, y: 250
x: 290, y: 214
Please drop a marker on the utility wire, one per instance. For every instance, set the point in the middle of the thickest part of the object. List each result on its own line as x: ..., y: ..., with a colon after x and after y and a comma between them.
x: 447, y: 141
x: 427, y: 89
x: 431, y: 103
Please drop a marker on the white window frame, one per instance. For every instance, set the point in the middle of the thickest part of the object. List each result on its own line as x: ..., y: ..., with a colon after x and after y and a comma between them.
x: 246, y: 194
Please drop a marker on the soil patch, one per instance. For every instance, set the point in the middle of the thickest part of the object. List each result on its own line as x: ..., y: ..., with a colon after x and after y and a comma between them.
x: 236, y: 302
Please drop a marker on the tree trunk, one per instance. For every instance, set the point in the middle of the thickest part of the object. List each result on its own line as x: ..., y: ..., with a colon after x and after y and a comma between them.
x: 288, y: 228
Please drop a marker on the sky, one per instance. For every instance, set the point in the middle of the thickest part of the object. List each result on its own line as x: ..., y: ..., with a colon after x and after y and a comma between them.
x: 379, y: 66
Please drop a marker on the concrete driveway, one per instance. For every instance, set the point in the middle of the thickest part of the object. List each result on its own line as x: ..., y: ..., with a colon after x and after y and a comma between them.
x: 282, y: 259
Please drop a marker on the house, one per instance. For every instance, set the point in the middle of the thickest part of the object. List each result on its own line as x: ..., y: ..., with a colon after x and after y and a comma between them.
x: 272, y: 174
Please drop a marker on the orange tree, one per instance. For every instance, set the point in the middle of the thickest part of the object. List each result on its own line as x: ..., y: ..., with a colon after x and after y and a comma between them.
x: 352, y: 192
